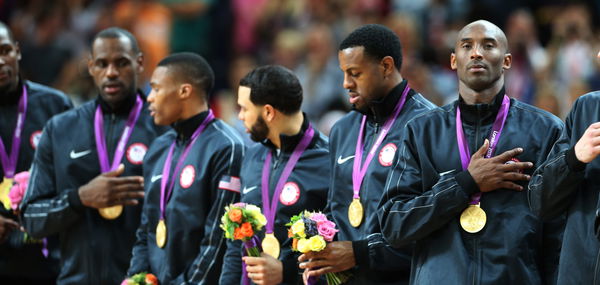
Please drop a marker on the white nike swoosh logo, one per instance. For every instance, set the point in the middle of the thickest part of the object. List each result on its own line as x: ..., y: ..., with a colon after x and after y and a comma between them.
x: 155, y: 177
x: 76, y: 155
x: 342, y: 160
x: 247, y: 190
x: 446, y: 172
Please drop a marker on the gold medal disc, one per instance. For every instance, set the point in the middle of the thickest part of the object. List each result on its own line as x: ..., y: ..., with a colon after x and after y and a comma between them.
x: 473, y: 219
x: 355, y: 212
x: 270, y: 245
x: 111, y: 213
x: 7, y: 183
x: 161, y: 233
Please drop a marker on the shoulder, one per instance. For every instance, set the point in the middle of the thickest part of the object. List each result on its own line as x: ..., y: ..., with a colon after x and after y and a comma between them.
x: 350, y: 119
x: 421, y: 102
x: 588, y: 99
x: 74, y: 117
x: 44, y: 93
x: 532, y: 112
x: 224, y: 136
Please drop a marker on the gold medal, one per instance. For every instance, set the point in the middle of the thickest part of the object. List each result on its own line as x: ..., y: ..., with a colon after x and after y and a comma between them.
x: 473, y: 219
x: 7, y: 183
x: 355, y: 212
x: 270, y: 245
x: 111, y: 213
x: 161, y: 233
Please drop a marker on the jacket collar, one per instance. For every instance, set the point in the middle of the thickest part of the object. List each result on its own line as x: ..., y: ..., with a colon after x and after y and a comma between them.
x: 186, y: 128
x: 12, y: 98
x: 381, y: 109
x: 483, y: 113
x: 288, y: 143
x: 124, y: 108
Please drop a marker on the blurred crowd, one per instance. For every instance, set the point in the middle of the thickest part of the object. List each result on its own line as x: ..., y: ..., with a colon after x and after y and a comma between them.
x: 551, y: 42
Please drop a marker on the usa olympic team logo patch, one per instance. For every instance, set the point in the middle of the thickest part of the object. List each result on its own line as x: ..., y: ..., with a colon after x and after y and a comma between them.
x: 35, y: 139
x: 136, y: 153
x: 386, y: 155
x: 188, y: 174
x: 290, y: 194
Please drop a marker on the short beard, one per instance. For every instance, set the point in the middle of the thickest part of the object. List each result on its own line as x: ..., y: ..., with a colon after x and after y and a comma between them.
x: 259, y: 131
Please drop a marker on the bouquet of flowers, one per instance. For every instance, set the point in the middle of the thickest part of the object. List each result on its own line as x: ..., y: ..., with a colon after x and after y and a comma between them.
x: 310, y: 231
x: 240, y: 222
x: 11, y: 197
x: 141, y: 279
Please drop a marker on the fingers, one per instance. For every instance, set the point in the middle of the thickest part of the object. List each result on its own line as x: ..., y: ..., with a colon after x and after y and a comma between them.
x: 320, y: 271
x: 117, y: 172
x: 307, y: 256
x: 253, y: 261
x: 127, y: 187
x: 315, y: 263
x: 507, y: 155
x: 9, y: 223
x: 511, y: 186
x: 482, y: 150
x: 516, y: 167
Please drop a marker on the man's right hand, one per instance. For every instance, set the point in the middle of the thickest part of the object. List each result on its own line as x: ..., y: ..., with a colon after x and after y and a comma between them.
x: 6, y: 227
x: 108, y: 189
x: 494, y: 173
x: 588, y: 146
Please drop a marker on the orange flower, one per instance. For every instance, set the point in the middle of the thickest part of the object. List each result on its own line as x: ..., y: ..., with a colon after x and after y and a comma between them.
x: 237, y: 233
x: 235, y: 215
x: 246, y: 230
x: 151, y: 279
x: 290, y: 234
x: 295, y: 244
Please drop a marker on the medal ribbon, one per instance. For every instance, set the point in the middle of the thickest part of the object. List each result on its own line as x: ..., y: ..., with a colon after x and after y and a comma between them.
x: 359, y: 170
x: 134, y: 114
x: 253, y: 242
x: 9, y: 161
x: 270, y: 209
x: 463, y: 145
x: 167, y: 166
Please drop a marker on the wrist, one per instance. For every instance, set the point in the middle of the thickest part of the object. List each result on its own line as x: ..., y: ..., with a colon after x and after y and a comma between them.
x: 360, y: 250
x: 75, y: 200
x: 573, y: 160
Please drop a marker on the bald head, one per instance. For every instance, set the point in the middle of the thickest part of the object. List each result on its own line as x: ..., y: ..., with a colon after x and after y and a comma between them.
x: 4, y: 30
x: 489, y: 30
x: 480, y: 58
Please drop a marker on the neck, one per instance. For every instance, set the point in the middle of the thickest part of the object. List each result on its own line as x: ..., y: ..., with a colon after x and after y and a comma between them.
x: 486, y: 96
x: 190, y: 110
x: 288, y: 125
x: 391, y: 82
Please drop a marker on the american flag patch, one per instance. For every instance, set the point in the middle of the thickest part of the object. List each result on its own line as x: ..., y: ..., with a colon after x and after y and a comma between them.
x: 230, y: 183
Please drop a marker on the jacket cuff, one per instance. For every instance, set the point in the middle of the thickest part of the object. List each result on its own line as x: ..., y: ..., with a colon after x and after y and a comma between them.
x: 467, y: 183
x: 361, y: 252
x: 75, y: 201
x: 290, y: 271
x: 572, y: 161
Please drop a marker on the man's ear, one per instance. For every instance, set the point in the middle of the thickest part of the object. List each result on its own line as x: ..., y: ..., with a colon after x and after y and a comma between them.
x: 269, y: 113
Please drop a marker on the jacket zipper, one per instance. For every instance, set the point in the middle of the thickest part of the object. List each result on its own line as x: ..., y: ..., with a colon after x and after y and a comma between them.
x: 109, y: 136
x: 477, y: 144
x: 596, y: 269
x: 475, y: 260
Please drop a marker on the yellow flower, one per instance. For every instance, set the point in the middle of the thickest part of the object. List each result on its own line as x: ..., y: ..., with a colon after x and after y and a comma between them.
x: 257, y: 215
x: 316, y: 243
x: 303, y: 245
x: 298, y: 228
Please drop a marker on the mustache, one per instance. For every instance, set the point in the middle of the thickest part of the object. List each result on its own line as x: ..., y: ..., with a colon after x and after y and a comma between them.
x: 476, y: 63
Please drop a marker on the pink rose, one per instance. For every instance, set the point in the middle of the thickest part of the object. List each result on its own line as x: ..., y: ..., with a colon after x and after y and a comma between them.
x: 327, y: 230
x: 318, y: 217
x: 18, y: 190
